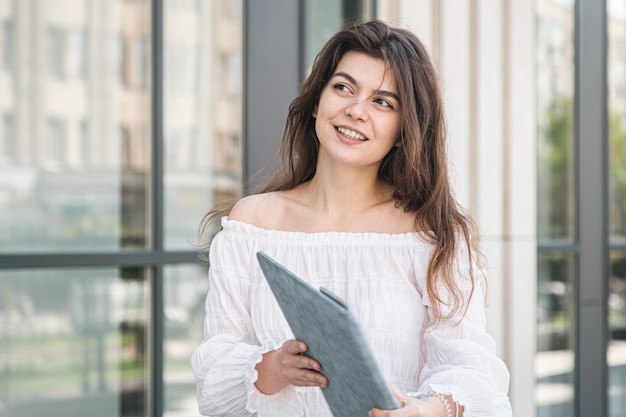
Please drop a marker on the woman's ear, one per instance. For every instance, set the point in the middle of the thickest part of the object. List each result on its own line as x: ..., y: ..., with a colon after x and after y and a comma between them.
x: 315, y: 112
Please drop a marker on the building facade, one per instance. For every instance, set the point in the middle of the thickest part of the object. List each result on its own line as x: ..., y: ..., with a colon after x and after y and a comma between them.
x: 123, y: 122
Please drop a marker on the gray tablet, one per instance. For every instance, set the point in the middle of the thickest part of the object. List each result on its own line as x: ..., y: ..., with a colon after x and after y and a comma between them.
x: 335, y: 339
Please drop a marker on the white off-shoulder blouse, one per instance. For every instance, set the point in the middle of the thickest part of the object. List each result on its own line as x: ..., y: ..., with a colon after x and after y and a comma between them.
x: 382, y: 277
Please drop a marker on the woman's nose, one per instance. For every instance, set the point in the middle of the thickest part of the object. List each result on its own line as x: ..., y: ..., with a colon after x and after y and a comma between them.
x: 357, y: 110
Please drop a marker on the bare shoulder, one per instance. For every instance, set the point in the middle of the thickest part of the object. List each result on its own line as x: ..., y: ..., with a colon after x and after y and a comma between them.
x: 257, y: 209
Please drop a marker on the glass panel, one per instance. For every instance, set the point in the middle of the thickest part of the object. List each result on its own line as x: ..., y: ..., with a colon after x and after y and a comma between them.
x: 185, y: 288
x: 7, y: 144
x: 203, y: 84
x: 554, y: 364
x: 74, y: 164
x: 617, y: 120
x: 325, y: 17
x: 617, y: 344
x: 7, y: 44
x: 556, y: 209
x: 616, y: 55
x: 555, y: 159
x: 73, y: 342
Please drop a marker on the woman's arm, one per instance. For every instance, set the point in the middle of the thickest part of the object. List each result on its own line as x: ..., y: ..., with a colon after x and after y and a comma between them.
x: 461, y: 360
x: 225, y: 363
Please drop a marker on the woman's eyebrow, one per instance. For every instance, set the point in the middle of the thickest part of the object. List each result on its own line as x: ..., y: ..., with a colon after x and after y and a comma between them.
x: 355, y: 82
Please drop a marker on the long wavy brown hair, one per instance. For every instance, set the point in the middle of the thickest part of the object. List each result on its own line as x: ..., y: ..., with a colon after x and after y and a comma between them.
x: 417, y: 169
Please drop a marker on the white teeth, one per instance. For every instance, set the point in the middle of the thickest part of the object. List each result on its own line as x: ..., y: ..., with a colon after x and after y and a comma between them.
x: 350, y: 133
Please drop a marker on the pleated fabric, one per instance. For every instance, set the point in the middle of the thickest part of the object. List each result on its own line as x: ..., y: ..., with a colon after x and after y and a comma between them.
x: 382, y: 277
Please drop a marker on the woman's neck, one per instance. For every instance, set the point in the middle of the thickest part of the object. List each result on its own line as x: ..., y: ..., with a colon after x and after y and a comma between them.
x: 340, y: 192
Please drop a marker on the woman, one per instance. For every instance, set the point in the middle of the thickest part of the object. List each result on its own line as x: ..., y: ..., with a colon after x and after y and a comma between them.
x: 362, y: 206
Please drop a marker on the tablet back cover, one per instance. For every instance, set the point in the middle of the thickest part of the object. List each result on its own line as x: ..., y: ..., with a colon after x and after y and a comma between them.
x: 335, y: 339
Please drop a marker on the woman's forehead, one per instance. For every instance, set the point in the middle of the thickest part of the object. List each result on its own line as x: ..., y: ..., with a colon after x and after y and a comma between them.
x: 367, y: 69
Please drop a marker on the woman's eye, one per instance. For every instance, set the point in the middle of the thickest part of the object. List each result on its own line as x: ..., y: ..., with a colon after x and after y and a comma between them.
x: 384, y: 103
x: 341, y: 87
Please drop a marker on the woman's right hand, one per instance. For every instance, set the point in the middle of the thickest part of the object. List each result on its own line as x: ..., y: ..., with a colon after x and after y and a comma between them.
x: 288, y: 365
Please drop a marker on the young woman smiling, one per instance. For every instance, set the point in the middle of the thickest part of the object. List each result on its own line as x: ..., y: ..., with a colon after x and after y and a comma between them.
x: 361, y: 205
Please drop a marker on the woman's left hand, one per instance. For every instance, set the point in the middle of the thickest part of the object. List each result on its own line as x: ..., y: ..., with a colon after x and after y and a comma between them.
x: 410, y: 407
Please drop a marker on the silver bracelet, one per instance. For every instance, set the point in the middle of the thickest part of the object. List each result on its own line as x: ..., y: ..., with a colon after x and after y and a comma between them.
x: 446, y: 403
x: 444, y: 400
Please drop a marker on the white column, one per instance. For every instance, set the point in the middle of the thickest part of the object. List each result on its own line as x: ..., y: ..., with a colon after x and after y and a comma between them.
x: 484, y: 50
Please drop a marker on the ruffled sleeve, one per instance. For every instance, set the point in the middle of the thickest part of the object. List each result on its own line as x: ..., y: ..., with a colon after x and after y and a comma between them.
x: 224, y: 363
x: 460, y: 357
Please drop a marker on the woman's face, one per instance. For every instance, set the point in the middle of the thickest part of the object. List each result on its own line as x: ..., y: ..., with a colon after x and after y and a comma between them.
x: 358, y: 115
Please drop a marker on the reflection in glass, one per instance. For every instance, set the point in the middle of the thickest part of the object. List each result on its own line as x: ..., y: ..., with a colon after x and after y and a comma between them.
x: 616, y: 73
x: 617, y: 324
x: 554, y: 364
x: 556, y: 208
x: 8, y: 48
x: 203, y: 77
x: 555, y: 159
x: 325, y: 17
x: 67, y: 181
x: 74, y: 342
x: 616, y: 54
x: 185, y: 288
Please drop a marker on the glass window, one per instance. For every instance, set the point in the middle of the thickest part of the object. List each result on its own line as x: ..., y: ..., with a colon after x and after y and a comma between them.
x: 617, y: 125
x: 8, y: 145
x: 84, y: 144
x: 616, y: 355
x: 121, y: 62
x: 141, y: 62
x: 616, y: 55
x: 185, y: 288
x: 78, y: 50
x: 74, y: 339
x: 555, y: 78
x: 203, y: 115
x: 556, y: 209
x: 325, y: 17
x: 234, y: 75
x: 554, y: 364
x: 8, y: 45
x: 59, y: 204
x: 55, y: 143
x: 56, y: 44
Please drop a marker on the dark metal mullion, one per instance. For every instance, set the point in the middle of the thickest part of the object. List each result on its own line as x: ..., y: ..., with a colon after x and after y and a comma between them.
x: 96, y: 259
x: 157, y: 389
x: 272, y: 41
x: 592, y: 331
x: 558, y: 247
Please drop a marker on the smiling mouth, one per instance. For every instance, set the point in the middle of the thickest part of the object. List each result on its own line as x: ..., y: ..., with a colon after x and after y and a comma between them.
x: 351, y: 134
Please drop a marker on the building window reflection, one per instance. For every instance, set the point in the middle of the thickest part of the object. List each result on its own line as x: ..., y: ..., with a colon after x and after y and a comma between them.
x: 203, y: 83
x: 233, y: 75
x: 8, y: 144
x: 84, y: 145
x: 8, y: 45
x: 78, y: 50
x: 556, y: 209
x: 55, y: 143
x: 141, y: 61
x: 56, y: 46
x: 68, y: 334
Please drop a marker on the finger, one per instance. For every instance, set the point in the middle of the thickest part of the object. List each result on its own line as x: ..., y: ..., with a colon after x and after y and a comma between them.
x: 300, y: 362
x: 308, y: 378
x: 402, y: 399
x: 375, y: 412
x: 295, y: 347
